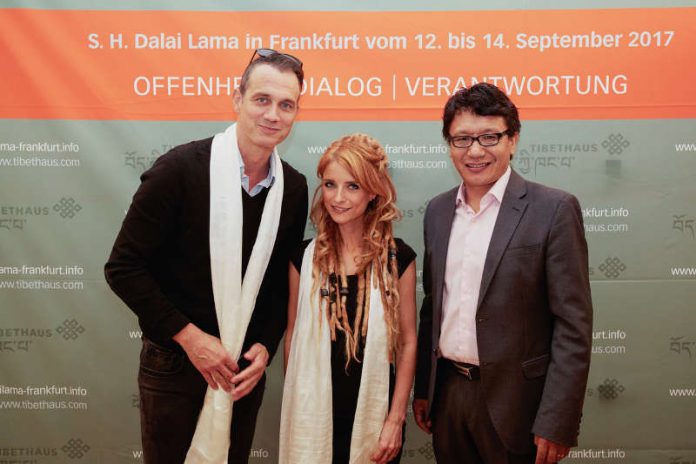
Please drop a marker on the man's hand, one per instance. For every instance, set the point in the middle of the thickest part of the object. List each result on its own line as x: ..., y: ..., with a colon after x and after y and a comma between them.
x: 208, y: 356
x: 420, y: 413
x: 246, y: 380
x: 548, y: 451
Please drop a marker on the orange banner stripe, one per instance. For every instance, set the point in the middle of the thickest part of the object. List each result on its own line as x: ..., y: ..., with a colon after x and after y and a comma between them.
x: 174, y: 65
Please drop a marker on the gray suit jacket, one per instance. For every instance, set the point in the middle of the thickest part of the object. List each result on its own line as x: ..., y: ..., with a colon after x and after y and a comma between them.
x: 534, y: 315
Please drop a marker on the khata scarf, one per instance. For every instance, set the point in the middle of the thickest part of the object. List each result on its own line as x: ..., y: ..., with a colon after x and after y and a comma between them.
x: 234, y: 299
x: 306, y: 422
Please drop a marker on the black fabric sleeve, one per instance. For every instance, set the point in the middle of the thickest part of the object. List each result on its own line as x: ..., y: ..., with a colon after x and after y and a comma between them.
x: 404, y: 255
x: 150, y: 218
x: 298, y: 254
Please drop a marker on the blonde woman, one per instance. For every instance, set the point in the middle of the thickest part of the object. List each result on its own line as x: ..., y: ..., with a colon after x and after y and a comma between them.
x: 350, y: 348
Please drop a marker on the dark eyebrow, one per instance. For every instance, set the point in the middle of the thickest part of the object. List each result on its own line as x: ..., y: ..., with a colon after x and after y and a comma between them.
x: 260, y: 94
x: 485, y: 131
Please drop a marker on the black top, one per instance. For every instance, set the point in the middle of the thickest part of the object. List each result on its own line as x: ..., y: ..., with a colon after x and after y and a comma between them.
x: 349, y: 379
x: 160, y: 262
x: 404, y: 255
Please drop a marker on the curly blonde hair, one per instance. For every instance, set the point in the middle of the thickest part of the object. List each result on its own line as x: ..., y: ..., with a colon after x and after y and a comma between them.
x: 364, y: 158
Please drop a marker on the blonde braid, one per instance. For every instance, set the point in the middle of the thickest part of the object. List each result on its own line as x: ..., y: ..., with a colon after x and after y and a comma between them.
x: 360, y: 303
x: 366, y: 310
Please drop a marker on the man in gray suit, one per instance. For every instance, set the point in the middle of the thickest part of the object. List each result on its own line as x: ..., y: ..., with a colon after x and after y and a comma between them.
x: 506, y: 324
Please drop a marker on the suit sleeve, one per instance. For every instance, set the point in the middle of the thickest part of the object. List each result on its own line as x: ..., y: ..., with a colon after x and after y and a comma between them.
x: 272, y: 335
x: 425, y: 325
x: 150, y: 217
x: 567, y: 276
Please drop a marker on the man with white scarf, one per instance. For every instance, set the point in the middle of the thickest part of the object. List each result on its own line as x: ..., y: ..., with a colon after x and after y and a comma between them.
x: 202, y: 259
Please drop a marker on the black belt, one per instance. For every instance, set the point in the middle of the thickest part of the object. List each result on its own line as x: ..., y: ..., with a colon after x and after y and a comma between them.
x: 468, y: 371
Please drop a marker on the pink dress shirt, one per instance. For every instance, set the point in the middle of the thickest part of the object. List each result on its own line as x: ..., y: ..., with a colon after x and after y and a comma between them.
x: 466, y: 255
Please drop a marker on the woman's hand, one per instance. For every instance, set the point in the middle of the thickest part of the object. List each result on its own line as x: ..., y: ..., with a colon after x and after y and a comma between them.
x: 389, y: 442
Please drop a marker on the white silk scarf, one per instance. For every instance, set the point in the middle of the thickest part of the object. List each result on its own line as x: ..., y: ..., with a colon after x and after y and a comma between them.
x: 234, y: 299
x: 306, y: 422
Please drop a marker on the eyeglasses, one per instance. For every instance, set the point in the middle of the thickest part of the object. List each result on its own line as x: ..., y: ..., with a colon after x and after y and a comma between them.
x: 268, y: 52
x: 485, y: 140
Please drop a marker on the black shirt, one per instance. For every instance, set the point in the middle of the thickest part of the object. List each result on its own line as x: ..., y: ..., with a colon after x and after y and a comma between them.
x: 160, y: 262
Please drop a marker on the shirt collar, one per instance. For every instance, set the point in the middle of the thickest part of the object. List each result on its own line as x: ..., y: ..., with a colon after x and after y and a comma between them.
x: 265, y: 183
x: 495, y: 192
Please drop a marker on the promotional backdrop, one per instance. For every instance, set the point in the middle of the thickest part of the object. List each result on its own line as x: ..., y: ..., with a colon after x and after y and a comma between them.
x: 92, y: 94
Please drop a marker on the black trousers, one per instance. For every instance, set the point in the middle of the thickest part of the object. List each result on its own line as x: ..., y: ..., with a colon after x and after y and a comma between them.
x: 462, y: 429
x: 171, y: 397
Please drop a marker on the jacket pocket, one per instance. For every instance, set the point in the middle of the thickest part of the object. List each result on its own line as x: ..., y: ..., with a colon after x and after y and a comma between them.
x: 158, y: 361
x: 523, y: 250
x: 536, y: 367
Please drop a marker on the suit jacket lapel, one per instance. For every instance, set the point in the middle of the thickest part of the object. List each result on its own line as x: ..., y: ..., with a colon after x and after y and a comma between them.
x: 511, y: 210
